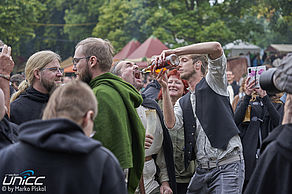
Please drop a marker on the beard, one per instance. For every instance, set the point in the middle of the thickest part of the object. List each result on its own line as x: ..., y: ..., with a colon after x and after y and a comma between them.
x: 138, y: 86
x: 48, y: 84
x: 86, y: 75
x: 187, y: 75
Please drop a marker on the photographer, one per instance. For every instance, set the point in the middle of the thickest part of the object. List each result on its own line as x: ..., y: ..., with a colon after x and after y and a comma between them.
x: 273, y: 171
x: 256, y: 116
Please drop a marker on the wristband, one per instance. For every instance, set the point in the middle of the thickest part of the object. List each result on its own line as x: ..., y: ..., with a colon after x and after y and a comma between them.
x: 7, y: 77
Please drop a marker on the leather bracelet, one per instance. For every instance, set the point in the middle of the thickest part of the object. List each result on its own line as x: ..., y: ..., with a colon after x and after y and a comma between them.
x: 7, y: 77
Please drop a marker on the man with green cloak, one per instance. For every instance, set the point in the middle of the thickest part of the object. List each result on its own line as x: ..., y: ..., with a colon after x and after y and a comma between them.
x: 117, y: 125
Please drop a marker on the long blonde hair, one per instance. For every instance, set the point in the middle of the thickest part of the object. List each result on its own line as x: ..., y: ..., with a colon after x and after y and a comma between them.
x: 37, y: 61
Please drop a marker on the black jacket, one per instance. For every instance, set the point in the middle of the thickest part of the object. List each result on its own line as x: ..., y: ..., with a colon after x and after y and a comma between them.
x: 64, y: 159
x: 264, y: 117
x: 152, y: 90
x: 28, y: 106
x: 8, y: 133
x: 273, y: 172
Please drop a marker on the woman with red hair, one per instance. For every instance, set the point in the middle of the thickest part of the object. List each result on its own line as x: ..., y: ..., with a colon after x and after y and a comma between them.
x: 177, y: 88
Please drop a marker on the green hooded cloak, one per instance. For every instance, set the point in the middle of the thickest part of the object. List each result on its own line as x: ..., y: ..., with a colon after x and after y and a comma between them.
x: 118, y: 125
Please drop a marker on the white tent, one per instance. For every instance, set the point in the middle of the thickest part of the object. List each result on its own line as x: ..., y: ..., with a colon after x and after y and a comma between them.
x: 238, y: 47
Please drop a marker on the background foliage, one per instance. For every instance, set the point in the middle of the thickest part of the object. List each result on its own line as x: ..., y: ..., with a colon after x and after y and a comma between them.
x: 33, y: 25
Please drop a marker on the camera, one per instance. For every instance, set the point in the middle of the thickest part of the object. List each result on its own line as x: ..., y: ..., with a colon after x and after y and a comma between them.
x: 278, y: 79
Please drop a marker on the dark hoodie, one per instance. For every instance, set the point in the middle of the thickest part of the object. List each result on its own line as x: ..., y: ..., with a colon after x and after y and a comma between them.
x: 8, y: 132
x: 273, y: 172
x: 68, y: 161
x: 28, y: 106
x: 118, y: 126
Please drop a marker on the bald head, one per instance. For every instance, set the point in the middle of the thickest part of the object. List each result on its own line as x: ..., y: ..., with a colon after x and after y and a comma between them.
x: 129, y: 72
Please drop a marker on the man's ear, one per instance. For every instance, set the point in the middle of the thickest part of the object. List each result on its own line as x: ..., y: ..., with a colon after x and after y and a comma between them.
x: 36, y: 73
x: 88, y: 116
x: 86, y: 119
x: 93, y: 61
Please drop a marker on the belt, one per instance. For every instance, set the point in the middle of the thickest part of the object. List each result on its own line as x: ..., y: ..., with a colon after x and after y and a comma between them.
x: 213, y: 164
x: 147, y: 158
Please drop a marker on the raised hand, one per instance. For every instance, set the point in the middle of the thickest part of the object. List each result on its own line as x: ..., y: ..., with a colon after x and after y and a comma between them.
x: 162, y: 78
x: 249, y: 86
x: 6, y: 61
x: 262, y: 93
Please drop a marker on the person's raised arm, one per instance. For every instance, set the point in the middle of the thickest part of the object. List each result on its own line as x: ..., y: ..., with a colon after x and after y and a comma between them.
x: 168, y: 112
x: 6, y: 67
x: 213, y: 49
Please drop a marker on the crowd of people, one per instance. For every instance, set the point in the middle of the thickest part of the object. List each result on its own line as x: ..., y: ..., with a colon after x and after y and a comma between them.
x: 190, y: 130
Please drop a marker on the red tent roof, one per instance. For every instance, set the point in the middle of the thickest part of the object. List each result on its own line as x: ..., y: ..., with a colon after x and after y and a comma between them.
x: 152, y: 46
x: 127, y: 50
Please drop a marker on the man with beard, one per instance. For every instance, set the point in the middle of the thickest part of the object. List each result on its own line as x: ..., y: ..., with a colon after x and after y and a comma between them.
x: 43, y: 73
x: 160, y: 151
x: 118, y: 126
x: 205, y: 114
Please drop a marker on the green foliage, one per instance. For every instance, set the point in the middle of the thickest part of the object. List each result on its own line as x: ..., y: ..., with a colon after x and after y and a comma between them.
x: 16, y: 18
x: 217, y: 31
x: 278, y: 14
x: 32, y: 25
x: 115, y: 22
x: 84, y: 15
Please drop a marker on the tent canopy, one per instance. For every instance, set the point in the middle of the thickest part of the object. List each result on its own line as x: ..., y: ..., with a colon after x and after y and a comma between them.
x: 239, y: 47
x: 151, y: 47
x: 279, y: 48
x: 127, y: 50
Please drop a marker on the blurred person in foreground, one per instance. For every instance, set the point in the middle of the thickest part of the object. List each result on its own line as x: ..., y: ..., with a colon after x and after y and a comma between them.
x: 6, y: 67
x: 55, y: 155
x: 118, y: 126
x: 8, y: 130
x: 177, y: 88
x: 7, y: 49
x: 205, y: 113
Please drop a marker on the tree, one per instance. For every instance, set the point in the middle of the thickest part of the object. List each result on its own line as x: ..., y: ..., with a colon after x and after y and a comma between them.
x: 114, y: 23
x: 81, y: 17
x: 16, y: 18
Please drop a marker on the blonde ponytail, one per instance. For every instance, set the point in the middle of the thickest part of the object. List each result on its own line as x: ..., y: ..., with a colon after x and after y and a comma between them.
x: 21, y: 88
